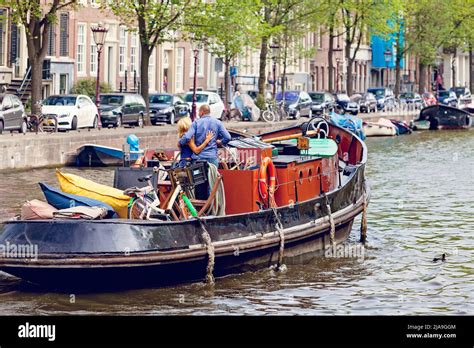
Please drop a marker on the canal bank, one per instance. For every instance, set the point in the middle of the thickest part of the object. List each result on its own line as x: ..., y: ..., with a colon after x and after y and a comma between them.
x: 21, y: 152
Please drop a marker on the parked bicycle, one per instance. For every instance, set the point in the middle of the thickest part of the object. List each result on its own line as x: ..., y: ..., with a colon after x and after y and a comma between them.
x: 42, y: 123
x: 275, y: 112
x: 145, y: 201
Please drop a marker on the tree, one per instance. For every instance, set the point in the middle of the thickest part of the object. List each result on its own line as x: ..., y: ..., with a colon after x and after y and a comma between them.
x: 273, y: 14
x: 428, y: 25
x: 157, y: 22
x: 36, y: 16
x: 358, y: 18
x: 227, y: 27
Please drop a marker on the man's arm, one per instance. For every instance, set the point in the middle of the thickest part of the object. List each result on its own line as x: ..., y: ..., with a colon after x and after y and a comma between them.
x: 188, y: 135
x: 223, y: 135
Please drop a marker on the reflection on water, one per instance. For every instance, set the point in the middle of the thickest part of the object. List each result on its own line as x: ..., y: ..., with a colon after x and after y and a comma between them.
x: 422, y: 205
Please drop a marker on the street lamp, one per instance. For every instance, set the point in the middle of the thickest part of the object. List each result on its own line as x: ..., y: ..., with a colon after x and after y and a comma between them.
x: 197, y: 46
x: 388, y: 58
x: 99, y: 32
x: 275, y: 50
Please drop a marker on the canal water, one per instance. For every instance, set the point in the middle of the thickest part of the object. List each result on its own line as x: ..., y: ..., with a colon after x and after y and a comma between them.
x: 422, y: 206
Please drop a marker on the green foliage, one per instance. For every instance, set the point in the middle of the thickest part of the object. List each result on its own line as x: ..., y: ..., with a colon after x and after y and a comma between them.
x: 227, y: 27
x: 157, y: 20
x: 87, y: 86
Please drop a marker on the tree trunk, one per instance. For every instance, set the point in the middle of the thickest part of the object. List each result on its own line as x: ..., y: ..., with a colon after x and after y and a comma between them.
x: 471, y: 69
x: 422, y: 77
x: 226, y: 82
x: 36, y: 45
x: 350, y: 63
x: 144, y: 83
x: 398, y: 68
x: 263, y: 66
x: 283, y: 76
x: 36, y: 84
x: 330, y: 60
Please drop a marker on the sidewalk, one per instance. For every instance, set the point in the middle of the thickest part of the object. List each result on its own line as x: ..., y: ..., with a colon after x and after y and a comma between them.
x: 22, y: 151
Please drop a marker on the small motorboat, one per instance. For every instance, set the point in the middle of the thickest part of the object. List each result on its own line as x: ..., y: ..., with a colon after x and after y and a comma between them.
x: 443, y: 117
x: 381, y: 128
x: 402, y: 127
x: 92, y: 155
x: 283, y: 203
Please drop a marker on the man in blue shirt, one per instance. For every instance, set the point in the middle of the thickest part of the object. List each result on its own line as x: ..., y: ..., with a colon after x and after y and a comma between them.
x: 199, y: 129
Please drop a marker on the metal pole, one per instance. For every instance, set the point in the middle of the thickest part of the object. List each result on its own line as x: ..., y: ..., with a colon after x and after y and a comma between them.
x: 193, y: 108
x: 97, y: 87
x: 126, y: 80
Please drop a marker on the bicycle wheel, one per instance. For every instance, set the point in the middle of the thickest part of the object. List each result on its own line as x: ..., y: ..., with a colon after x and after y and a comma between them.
x: 268, y: 116
x: 137, y: 210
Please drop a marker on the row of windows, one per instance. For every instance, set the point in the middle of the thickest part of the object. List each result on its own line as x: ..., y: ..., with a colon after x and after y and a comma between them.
x: 123, y: 44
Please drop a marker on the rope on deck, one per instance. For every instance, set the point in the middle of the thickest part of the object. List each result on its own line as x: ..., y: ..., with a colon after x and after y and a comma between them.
x: 210, y: 253
x: 279, y: 227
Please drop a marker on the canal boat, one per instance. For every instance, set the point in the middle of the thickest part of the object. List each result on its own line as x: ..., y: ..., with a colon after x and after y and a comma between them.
x: 93, y: 155
x: 402, y: 127
x: 291, y: 206
x: 381, y: 128
x: 442, y: 117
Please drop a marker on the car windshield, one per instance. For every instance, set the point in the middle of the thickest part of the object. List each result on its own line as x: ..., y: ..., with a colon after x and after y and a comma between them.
x: 343, y: 97
x: 111, y: 100
x: 162, y: 99
x: 317, y: 97
x: 200, y: 98
x: 443, y: 94
x: 368, y: 96
x: 407, y: 95
x: 378, y: 92
x: 60, y: 100
x: 458, y: 90
x: 289, y: 96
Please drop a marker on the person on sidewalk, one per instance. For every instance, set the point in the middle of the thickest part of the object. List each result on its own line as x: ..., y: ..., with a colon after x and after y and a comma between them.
x: 199, y: 130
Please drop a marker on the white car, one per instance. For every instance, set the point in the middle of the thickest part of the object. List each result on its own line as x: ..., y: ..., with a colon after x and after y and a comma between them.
x: 210, y: 98
x: 72, y: 111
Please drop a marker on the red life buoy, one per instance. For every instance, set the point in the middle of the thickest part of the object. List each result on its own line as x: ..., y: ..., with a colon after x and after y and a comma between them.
x: 266, y: 185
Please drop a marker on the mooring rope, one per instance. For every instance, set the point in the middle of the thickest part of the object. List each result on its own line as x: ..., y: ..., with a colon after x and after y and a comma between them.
x: 363, y: 221
x: 279, y: 227
x: 332, y: 234
x: 210, y: 253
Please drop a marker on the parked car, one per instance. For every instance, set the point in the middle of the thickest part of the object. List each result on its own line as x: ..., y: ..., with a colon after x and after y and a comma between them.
x: 368, y: 103
x: 385, y: 98
x: 321, y: 102
x: 12, y: 114
x: 429, y: 99
x: 167, y: 108
x: 254, y: 93
x: 447, y: 98
x: 296, y: 103
x: 72, y: 111
x: 122, y: 108
x: 210, y: 98
x: 411, y: 100
x: 345, y: 104
x: 463, y: 94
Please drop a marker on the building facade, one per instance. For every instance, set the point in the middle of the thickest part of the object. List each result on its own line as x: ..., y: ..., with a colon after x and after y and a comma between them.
x: 72, y: 55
